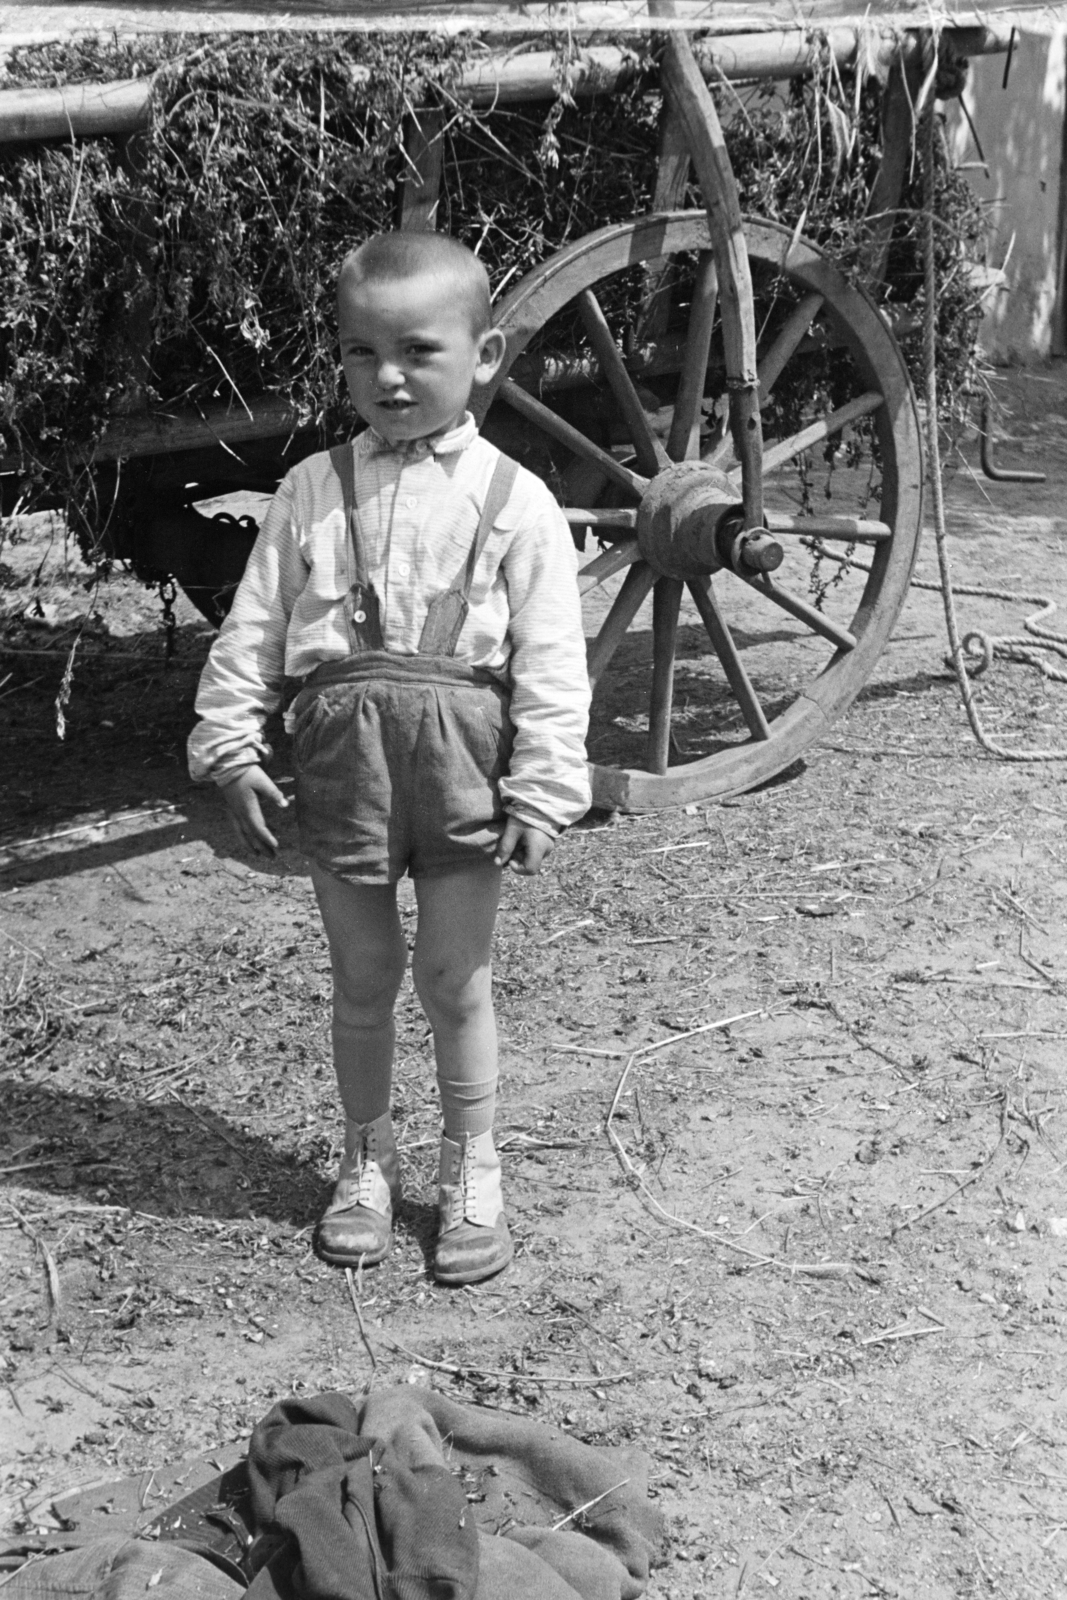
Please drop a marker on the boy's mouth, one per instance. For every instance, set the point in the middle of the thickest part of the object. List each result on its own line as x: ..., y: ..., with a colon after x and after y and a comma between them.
x: 395, y: 404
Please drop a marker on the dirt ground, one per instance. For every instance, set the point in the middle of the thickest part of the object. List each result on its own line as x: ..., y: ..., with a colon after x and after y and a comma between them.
x: 831, y: 1311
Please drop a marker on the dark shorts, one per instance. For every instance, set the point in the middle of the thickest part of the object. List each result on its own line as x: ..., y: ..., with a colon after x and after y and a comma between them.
x: 398, y: 765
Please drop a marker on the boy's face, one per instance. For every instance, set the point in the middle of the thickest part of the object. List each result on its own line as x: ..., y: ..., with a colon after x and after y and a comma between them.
x: 409, y: 354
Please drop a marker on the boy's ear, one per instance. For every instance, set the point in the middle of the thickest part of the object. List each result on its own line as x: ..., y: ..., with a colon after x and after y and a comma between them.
x: 491, y: 352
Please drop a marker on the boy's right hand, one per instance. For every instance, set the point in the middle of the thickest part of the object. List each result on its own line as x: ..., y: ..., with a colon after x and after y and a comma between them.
x: 243, y: 797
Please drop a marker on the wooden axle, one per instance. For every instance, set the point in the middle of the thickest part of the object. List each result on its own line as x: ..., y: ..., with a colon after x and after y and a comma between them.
x: 505, y: 76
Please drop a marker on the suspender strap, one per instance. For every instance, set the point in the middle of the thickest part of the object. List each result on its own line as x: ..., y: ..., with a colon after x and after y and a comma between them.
x: 497, y: 496
x: 447, y: 611
x: 344, y: 465
x: 363, y: 613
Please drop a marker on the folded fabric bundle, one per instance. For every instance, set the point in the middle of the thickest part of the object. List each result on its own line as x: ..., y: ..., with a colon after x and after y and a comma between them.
x: 409, y: 1494
x: 404, y: 1495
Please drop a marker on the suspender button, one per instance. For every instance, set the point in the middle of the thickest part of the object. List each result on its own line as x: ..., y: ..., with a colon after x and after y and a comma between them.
x: 359, y: 616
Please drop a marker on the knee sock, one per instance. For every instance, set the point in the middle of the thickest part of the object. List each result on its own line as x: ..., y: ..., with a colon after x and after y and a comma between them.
x: 363, y: 1061
x: 468, y: 1108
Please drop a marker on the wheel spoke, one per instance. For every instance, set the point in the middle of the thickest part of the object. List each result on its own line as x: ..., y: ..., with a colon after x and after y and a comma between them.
x: 666, y: 600
x: 603, y: 517
x: 651, y: 455
x: 817, y: 621
x: 704, y: 595
x: 788, y: 448
x: 684, y: 441
x: 788, y: 337
x: 594, y: 573
x: 854, y: 530
x: 535, y: 411
x: 627, y: 603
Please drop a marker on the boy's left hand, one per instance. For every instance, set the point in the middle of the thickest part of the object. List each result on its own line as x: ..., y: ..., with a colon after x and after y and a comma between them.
x: 523, y: 847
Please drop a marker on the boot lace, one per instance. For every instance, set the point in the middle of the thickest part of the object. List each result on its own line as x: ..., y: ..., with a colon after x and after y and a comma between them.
x: 470, y: 1187
x: 366, y: 1169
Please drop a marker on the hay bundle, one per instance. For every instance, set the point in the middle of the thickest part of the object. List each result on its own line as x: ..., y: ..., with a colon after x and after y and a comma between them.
x: 220, y: 229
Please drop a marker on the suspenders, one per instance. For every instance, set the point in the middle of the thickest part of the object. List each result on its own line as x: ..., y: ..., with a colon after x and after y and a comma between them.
x: 448, y: 610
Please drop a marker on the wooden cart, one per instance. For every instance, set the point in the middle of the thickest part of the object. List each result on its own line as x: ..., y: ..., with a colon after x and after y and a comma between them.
x: 749, y: 658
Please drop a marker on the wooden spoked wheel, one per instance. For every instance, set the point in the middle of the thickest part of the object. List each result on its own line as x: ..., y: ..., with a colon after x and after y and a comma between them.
x: 758, y: 636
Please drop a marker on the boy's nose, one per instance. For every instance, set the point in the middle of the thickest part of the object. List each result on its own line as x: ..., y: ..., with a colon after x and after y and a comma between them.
x: 390, y: 375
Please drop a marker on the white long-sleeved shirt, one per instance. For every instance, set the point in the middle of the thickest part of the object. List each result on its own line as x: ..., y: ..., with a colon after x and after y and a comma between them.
x: 418, y: 508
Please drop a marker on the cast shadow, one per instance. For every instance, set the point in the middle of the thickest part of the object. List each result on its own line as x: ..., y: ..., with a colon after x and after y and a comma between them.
x: 123, y: 753
x: 166, y: 1158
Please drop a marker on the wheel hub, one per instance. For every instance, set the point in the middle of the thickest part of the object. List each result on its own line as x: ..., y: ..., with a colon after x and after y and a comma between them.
x: 690, y: 523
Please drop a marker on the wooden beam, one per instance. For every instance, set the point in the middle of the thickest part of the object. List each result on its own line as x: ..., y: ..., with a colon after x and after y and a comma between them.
x: 146, y: 435
x: 898, y: 141
x: 80, y: 111
x: 499, y: 78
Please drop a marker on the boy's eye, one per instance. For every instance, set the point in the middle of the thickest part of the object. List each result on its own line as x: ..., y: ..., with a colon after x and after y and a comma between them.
x: 358, y: 352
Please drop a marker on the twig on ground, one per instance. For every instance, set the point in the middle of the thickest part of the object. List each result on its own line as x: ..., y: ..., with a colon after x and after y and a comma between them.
x: 51, y: 1272
x: 818, y: 1269
x: 585, y: 1050
x: 937, y: 1204
x: 892, y: 1334
x: 589, y: 1504
x: 526, y: 1141
x: 782, y: 1544
x: 117, y: 821
x: 923, y: 887
x: 350, y: 1278
x: 561, y: 932
x: 865, y: 1044
x: 1049, y: 977
x: 512, y: 1377
x: 204, y: 1123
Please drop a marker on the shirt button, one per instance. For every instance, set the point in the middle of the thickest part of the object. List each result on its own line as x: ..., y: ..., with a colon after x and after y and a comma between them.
x: 403, y: 570
x: 359, y: 616
x: 411, y: 502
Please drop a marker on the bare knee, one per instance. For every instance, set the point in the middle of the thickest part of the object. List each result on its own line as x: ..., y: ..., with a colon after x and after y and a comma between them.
x: 452, y: 996
x: 365, y: 993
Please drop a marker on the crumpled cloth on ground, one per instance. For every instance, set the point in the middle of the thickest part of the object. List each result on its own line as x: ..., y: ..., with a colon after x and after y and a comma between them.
x: 404, y: 1495
x: 372, y: 1498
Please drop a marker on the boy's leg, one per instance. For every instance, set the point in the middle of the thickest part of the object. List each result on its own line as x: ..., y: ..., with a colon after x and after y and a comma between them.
x: 453, y: 976
x: 368, y: 955
x: 452, y: 968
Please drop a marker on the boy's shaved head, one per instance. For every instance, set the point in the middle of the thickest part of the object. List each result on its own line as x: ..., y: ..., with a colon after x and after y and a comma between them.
x: 416, y: 255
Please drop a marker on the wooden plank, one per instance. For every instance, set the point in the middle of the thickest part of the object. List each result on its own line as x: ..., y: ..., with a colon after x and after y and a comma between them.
x: 25, y: 21
x: 424, y: 152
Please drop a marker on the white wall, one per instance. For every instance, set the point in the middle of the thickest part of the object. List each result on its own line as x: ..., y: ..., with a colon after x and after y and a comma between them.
x: 1022, y: 134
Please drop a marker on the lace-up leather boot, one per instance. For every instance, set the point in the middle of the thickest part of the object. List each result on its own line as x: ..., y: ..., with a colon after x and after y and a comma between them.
x: 358, y: 1222
x: 473, y: 1241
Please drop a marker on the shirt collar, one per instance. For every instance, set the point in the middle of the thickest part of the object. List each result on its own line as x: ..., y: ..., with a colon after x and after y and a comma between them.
x: 440, y: 444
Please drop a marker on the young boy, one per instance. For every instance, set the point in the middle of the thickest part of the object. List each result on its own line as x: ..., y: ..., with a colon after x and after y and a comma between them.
x: 420, y: 586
